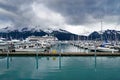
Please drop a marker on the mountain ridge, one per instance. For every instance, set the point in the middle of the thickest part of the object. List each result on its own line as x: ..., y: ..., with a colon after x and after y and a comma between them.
x: 106, y: 35
x: 61, y: 34
x: 25, y: 32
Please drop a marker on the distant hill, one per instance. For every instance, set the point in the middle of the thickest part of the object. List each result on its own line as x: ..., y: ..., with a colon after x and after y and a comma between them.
x: 61, y: 34
x: 106, y: 35
x: 25, y: 32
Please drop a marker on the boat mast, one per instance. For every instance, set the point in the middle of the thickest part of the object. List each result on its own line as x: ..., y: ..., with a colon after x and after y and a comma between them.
x: 101, y: 31
x: 116, y: 35
x: 78, y: 37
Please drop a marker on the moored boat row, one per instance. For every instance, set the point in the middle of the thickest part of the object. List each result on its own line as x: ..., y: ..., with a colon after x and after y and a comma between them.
x: 98, y: 46
x: 32, y: 43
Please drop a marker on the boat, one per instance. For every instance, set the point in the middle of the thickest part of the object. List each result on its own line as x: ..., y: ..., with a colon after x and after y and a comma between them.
x: 6, y: 46
x: 30, y: 50
x: 103, y: 48
x: 31, y: 46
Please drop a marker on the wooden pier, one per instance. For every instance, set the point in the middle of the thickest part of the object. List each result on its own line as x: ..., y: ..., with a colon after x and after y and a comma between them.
x: 59, y: 54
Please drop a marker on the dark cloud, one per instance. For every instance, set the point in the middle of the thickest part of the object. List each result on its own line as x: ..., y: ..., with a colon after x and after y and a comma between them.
x: 10, y: 11
x: 75, y: 12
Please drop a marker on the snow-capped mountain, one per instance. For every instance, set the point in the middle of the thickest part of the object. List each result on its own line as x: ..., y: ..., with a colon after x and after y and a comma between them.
x: 59, y: 33
x: 48, y: 30
x: 106, y: 35
x: 25, y: 32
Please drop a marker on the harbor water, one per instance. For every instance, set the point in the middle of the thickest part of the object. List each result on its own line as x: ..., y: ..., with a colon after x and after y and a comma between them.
x: 60, y: 68
x: 67, y: 48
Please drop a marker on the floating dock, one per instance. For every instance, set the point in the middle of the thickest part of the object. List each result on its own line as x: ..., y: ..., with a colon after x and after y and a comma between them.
x: 59, y: 54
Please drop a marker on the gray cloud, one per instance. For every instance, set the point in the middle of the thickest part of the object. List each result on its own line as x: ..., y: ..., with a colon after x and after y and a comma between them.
x: 10, y: 10
x: 77, y: 11
x: 21, y: 13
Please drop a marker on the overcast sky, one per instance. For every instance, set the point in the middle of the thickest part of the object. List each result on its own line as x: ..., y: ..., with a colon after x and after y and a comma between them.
x: 76, y: 16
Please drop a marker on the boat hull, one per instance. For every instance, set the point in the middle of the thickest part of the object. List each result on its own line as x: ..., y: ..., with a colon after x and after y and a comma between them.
x: 103, y: 49
x: 31, y: 50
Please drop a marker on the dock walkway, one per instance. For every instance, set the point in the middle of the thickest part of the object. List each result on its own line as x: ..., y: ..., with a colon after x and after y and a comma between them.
x: 59, y: 54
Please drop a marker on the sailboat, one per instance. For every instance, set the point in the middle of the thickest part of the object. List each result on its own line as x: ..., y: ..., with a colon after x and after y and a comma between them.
x: 104, y: 46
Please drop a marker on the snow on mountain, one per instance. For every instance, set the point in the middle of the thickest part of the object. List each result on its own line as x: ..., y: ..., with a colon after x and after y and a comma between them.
x: 24, y: 32
x: 7, y: 29
x: 63, y: 31
x: 109, y: 31
x: 106, y: 35
x: 48, y: 30
x: 35, y: 29
x: 118, y: 32
x: 101, y: 32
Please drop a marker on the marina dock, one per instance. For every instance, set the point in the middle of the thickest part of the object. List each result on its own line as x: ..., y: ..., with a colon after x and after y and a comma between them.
x: 59, y: 54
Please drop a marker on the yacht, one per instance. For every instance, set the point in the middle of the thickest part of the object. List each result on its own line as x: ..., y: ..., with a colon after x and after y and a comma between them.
x: 106, y: 47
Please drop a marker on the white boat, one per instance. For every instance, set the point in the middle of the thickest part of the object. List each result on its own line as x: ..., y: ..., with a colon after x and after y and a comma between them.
x: 32, y: 47
x: 6, y: 46
x: 91, y: 48
x: 104, y: 49
x: 30, y: 50
x: 3, y: 45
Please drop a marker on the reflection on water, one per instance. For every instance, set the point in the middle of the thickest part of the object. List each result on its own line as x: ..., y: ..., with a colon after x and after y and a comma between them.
x: 47, y: 58
x: 67, y: 48
x: 60, y: 68
x: 95, y: 64
x: 7, y: 62
x: 59, y: 62
x: 37, y: 62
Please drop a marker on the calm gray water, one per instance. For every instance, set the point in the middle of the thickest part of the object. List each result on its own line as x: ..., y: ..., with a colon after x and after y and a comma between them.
x: 60, y: 68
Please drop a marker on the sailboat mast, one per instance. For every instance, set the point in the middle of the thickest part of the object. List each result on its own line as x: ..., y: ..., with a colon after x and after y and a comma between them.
x: 101, y: 31
x: 116, y: 35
